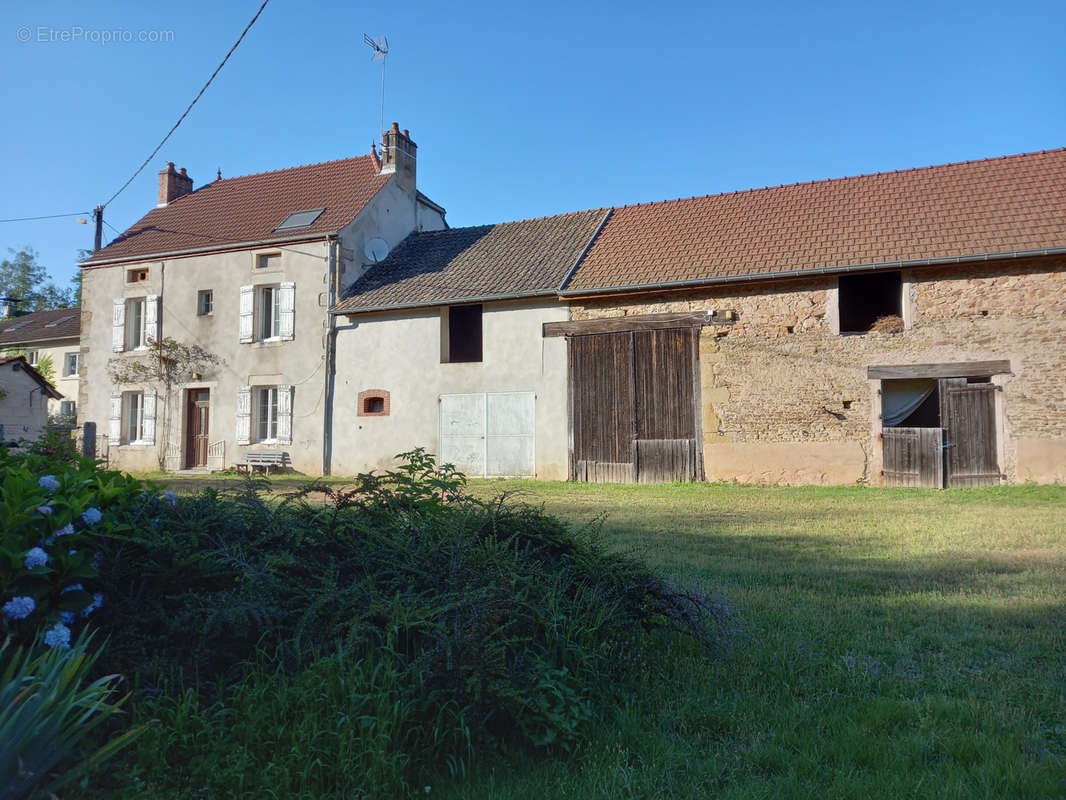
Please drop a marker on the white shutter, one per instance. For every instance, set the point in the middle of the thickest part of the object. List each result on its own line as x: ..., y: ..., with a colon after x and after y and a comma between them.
x: 287, y: 322
x: 151, y: 319
x: 118, y: 325
x: 114, y: 430
x: 148, y: 419
x: 244, y: 415
x: 247, y: 306
x: 285, y: 414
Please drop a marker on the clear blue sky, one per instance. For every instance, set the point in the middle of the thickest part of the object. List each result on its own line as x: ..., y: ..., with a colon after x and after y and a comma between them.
x: 519, y: 110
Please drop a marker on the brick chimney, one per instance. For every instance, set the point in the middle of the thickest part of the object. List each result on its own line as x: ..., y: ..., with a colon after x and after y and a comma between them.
x: 172, y: 184
x: 398, y: 154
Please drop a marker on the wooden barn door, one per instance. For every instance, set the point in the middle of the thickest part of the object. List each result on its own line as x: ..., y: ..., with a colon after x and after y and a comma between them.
x: 913, y: 457
x: 634, y: 406
x: 968, y: 415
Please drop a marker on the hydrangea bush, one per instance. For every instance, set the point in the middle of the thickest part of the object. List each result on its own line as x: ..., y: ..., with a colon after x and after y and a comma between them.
x: 54, y: 515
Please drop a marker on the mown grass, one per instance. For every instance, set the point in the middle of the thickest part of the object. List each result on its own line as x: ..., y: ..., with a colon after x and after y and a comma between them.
x: 897, y: 644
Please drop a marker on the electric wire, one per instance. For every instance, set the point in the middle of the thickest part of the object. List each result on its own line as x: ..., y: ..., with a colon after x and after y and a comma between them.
x: 185, y: 113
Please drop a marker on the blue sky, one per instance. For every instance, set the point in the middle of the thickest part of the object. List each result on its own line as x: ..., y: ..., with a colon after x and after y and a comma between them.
x: 519, y: 110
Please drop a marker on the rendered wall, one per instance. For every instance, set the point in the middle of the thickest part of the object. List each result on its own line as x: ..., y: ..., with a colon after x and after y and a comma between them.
x: 775, y: 385
x: 23, y: 406
x: 401, y: 354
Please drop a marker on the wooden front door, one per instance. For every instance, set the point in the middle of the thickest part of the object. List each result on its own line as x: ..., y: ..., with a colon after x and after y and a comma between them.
x: 968, y: 416
x: 199, y: 412
x: 634, y: 407
x: 913, y: 457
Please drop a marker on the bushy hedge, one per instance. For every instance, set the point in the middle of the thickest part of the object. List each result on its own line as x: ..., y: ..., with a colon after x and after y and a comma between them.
x: 350, y: 643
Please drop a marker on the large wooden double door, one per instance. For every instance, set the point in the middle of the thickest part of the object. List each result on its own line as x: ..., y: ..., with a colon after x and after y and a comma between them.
x: 634, y: 406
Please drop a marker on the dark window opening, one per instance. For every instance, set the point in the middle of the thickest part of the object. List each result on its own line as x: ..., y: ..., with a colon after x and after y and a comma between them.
x: 866, y: 300
x: 464, y: 334
x: 927, y: 415
x: 373, y: 405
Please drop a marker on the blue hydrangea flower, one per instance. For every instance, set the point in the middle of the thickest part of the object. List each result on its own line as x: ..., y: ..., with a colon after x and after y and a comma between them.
x: 74, y: 587
x: 35, y: 557
x: 68, y: 617
x: 45, y: 509
x: 170, y: 497
x: 58, y: 636
x: 48, y: 482
x: 66, y: 530
x: 98, y: 600
x: 19, y: 607
x: 91, y: 516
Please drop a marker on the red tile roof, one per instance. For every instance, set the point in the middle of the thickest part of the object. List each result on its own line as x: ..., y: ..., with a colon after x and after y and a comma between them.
x: 248, y: 208
x: 974, y: 208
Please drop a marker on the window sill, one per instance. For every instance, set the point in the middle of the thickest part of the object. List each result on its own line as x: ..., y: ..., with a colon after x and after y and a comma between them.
x: 137, y: 443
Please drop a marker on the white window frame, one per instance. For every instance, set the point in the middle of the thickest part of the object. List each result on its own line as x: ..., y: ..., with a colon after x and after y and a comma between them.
x: 268, y: 320
x: 132, y: 417
x: 265, y: 414
x: 67, y: 372
x: 205, y: 303
x: 134, y: 339
x: 68, y: 409
x: 32, y: 356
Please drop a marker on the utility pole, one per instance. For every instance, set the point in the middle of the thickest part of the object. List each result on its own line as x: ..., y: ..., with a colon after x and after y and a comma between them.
x: 98, y: 217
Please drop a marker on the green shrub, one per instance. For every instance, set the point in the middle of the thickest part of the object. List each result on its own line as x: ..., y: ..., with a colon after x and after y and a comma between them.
x: 48, y: 708
x: 408, y: 625
x: 55, y: 513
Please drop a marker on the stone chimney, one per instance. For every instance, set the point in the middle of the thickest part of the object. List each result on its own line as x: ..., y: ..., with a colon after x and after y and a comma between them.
x: 172, y: 184
x: 398, y: 154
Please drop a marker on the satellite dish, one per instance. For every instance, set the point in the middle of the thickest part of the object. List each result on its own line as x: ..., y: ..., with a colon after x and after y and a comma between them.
x: 376, y: 249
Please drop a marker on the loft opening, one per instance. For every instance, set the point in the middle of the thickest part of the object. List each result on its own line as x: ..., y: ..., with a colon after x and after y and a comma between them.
x: 461, y: 331
x: 872, y: 301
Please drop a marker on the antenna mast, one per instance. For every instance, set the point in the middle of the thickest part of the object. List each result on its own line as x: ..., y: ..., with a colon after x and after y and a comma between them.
x: 379, y: 46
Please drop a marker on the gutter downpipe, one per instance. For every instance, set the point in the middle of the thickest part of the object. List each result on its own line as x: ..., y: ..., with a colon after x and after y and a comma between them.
x: 328, y: 387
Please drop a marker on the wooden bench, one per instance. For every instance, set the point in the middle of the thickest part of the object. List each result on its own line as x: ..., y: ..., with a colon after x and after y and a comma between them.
x: 265, y: 460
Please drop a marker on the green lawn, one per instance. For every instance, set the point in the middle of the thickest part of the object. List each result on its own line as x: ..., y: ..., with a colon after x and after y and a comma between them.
x: 896, y: 643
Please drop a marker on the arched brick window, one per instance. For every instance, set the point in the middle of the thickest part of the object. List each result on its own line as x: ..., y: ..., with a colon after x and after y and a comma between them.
x: 373, y: 403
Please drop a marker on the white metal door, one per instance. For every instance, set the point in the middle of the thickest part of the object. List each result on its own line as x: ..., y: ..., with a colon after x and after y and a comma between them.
x: 488, y: 434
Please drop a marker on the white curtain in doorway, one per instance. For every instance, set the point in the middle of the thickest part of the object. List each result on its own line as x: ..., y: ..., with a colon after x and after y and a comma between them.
x: 900, y: 398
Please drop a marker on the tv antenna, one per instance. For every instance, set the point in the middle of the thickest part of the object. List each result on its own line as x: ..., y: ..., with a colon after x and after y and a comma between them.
x: 380, y: 47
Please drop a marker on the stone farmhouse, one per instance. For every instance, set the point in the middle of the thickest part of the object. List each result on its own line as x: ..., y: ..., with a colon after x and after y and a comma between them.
x: 49, y: 338
x: 905, y: 328
x: 247, y: 268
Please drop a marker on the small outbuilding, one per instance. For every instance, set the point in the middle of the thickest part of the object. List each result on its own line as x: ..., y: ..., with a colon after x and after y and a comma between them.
x: 24, y: 397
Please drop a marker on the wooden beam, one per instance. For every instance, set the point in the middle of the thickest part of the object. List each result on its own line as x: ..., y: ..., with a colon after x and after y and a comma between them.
x: 640, y: 322
x: 958, y: 369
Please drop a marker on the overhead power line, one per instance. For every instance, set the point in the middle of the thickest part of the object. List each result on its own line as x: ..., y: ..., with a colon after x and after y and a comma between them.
x: 47, y: 216
x: 199, y: 94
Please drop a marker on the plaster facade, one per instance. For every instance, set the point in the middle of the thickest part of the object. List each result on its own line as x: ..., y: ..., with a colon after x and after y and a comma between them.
x: 785, y: 396
x: 299, y: 362
x: 23, y: 404
x: 400, y: 353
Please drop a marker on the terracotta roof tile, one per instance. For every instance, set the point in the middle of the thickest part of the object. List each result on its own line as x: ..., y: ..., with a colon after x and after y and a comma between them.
x: 41, y: 326
x: 510, y: 259
x: 1003, y: 205
x: 248, y: 209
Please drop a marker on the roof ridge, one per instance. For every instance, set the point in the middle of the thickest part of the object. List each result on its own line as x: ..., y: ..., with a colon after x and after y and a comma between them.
x: 283, y: 169
x: 844, y: 178
x: 528, y: 219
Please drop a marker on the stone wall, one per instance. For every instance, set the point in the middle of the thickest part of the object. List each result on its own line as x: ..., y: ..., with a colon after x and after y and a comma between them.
x: 786, y: 398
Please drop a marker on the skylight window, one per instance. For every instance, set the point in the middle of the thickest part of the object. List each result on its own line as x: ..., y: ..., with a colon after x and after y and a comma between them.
x: 299, y: 219
x: 59, y: 321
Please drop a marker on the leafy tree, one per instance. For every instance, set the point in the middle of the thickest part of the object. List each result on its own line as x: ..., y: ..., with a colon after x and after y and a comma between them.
x: 23, y: 278
x: 165, y: 364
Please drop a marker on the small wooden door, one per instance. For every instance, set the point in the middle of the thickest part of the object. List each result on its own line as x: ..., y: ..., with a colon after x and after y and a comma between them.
x: 634, y: 409
x: 913, y: 457
x: 199, y: 412
x: 968, y: 415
